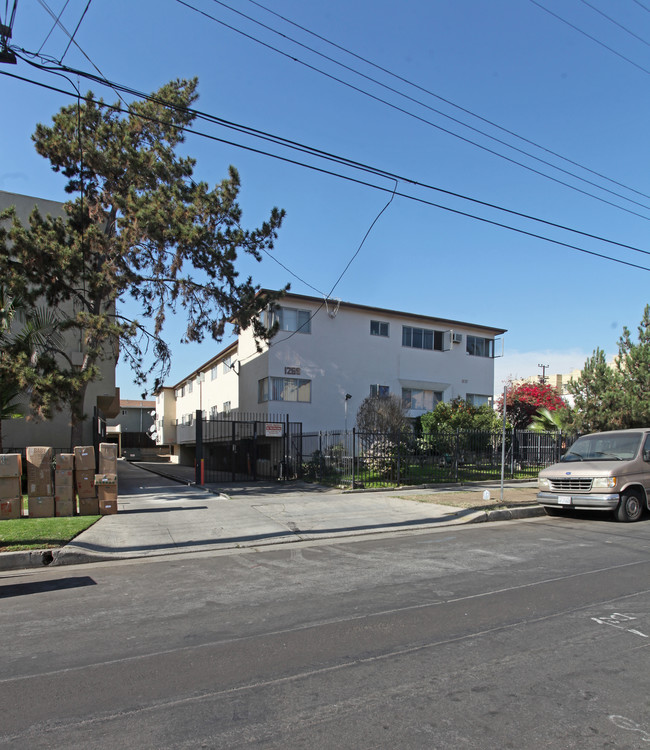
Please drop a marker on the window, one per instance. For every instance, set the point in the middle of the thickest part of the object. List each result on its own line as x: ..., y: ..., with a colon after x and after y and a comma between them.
x: 420, y: 400
x: 377, y: 328
x: 291, y: 319
x: 213, y: 372
x: 227, y: 365
x: 478, y: 399
x: 480, y: 347
x: 188, y: 419
x: 213, y: 412
x: 226, y: 407
x: 422, y: 338
x: 379, y: 390
x: 190, y: 386
x: 284, y: 389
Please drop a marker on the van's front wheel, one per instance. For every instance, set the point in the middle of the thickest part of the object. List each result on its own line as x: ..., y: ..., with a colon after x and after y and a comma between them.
x: 630, y: 506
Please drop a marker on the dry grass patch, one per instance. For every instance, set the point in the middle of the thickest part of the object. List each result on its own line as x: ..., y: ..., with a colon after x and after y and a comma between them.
x: 512, y: 497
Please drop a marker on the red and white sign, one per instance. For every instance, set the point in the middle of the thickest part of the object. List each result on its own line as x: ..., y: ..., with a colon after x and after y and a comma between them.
x: 273, y: 429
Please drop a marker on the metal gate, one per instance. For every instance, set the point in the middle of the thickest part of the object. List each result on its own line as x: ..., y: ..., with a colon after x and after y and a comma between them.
x: 241, y: 448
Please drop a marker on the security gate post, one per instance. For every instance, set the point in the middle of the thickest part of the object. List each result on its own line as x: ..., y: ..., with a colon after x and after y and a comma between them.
x: 198, y: 453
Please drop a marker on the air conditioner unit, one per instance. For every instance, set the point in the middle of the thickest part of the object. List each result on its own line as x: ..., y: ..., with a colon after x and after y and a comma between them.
x: 457, y: 338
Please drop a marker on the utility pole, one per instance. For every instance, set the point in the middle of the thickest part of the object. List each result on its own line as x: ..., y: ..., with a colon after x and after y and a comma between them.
x: 7, y: 55
x: 544, y: 369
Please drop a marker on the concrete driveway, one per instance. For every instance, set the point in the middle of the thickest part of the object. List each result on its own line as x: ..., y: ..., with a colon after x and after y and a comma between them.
x: 159, y: 516
x: 163, y: 513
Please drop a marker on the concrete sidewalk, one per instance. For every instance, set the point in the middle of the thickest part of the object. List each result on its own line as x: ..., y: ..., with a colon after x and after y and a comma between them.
x: 178, y: 517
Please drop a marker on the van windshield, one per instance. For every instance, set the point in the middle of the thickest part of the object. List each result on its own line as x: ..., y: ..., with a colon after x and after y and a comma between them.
x: 605, y: 447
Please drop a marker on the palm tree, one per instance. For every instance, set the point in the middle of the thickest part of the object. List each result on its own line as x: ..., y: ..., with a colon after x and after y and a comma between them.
x: 546, y: 420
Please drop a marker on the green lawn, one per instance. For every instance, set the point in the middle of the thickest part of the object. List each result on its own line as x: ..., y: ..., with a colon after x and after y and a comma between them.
x: 41, y: 533
x: 416, y: 474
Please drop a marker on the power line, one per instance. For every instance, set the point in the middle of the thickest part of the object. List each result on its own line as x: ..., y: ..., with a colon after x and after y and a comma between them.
x: 448, y: 101
x: 365, y: 237
x: 589, y: 36
x: 422, y: 119
x: 83, y: 15
x: 278, y: 140
x: 616, y: 23
x: 56, y: 23
x: 329, y: 296
x: 288, y: 270
x: 348, y: 178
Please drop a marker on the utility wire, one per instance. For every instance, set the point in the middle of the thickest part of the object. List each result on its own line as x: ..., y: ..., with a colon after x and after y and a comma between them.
x: 593, y: 38
x: 57, y: 20
x: 352, y: 179
x: 615, y: 22
x: 288, y: 270
x: 329, y: 296
x: 448, y: 101
x: 102, y: 80
x: 332, y: 157
x: 433, y: 109
x: 76, y: 29
x: 418, y: 117
x: 360, y: 182
x: 365, y: 237
x: 641, y: 5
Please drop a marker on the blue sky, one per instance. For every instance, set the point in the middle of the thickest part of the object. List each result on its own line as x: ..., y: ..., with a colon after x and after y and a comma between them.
x: 573, y: 88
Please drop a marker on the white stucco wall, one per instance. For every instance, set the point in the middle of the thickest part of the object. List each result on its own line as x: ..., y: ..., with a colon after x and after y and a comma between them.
x: 340, y: 356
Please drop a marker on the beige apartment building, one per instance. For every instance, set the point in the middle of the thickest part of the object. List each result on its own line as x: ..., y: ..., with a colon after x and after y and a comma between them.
x: 102, y: 394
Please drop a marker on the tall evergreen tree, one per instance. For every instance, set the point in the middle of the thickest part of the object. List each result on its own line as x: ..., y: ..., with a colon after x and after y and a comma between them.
x: 139, y: 227
x: 634, y: 368
x: 599, y: 398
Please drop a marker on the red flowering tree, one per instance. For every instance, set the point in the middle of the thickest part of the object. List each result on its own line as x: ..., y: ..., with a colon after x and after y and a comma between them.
x: 523, y: 401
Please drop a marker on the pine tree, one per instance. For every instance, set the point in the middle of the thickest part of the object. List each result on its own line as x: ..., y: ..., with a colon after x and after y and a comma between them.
x: 139, y: 227
x: 599, y: 398
x: 634, y: 368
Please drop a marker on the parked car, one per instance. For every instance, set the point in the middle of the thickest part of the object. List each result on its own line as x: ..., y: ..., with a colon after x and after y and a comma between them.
x: 607, y: 471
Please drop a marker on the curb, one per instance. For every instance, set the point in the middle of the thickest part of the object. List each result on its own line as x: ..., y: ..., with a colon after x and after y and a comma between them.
x: 64, y: 556
x: 34, y: 558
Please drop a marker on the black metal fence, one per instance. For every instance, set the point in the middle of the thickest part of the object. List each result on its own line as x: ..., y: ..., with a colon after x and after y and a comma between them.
x: 375, y: 459
x: 247, y: 447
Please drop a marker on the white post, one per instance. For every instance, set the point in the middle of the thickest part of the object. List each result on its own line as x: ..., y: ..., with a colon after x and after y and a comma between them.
x: 503, y: 441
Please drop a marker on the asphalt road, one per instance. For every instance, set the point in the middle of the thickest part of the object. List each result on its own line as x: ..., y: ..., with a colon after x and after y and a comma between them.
x: 523, y: 634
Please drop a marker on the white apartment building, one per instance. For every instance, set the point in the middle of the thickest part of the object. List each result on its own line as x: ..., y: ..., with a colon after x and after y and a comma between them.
x: 323, y: 362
